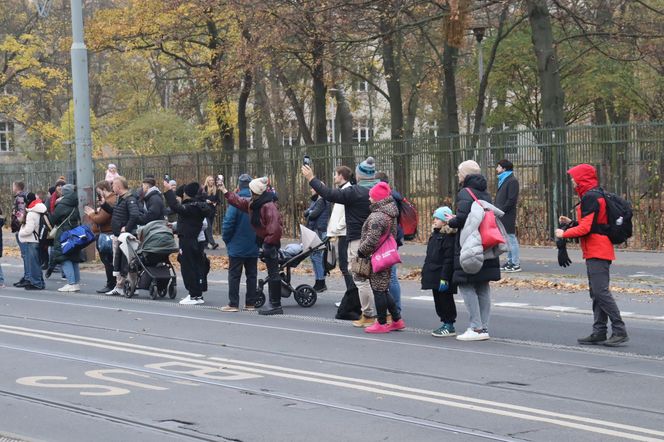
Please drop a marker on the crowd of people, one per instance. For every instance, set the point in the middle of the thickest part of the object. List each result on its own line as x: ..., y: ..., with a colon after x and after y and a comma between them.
x: 358, y: 213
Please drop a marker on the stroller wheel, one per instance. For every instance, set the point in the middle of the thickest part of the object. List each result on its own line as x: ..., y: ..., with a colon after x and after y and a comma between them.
x: 260, y: 299
x: 154, y: 291
x: 172, y: 290
x: 305, y: 295
x: 128, y: 291
x: 163, y: 292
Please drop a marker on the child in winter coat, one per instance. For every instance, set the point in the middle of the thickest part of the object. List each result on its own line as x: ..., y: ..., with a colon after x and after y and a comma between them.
x: 438, y: 270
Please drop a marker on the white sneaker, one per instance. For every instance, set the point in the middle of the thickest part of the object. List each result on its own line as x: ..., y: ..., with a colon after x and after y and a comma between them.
x: 70, y: 288
x: 189, y: 301
x: 472, y: 335
x: 115, y: 292
x: 199, y: 300
x: 337, y: 304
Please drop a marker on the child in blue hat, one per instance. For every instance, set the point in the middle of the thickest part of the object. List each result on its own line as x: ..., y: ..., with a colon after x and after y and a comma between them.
x: 438, y: 269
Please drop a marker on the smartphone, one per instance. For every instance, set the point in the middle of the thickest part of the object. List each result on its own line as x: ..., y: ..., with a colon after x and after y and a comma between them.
x: 167, y: 177
x: 220, y: 179
x: 307, y: 160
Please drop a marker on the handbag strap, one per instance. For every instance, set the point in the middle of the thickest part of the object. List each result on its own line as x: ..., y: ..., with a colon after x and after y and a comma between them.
x: 66, y: 219
x: 385, y: 236
x: 472, y: 194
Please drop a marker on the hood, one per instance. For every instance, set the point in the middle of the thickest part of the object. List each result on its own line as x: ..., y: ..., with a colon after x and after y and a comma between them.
x: 151, y: 190
x: 386, y: 206
x: 37, y: 207
x: 447, y: 230
x: 477, y: 182
x: 585, y: 177
x: 244, y: 192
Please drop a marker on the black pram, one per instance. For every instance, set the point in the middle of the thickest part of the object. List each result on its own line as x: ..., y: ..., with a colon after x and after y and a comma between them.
x: 290, y: 257
x: 149, y: 265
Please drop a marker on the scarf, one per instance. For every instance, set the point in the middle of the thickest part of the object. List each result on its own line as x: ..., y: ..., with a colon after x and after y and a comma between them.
x: 368, y: 183
x: 256, y: 205
x: 503, y: 176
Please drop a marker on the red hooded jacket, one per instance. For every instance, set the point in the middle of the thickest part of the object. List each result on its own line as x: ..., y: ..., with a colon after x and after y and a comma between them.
x: 593, y: 245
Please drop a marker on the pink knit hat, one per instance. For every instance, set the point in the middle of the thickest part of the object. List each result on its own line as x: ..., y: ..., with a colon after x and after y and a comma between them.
x: 380, y: 191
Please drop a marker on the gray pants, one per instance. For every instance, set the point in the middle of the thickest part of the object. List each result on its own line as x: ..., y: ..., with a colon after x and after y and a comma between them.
x: 363, y: 287
x: 604, y: 305
x: 476, y: 297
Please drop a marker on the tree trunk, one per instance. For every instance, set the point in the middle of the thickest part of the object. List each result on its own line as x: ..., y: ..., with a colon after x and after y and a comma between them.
x: 553, y: 113
x: 320, y: 92
x: 243, y: 141
x: 298, y: 109
x: 448, y: 127
x: 344, y: 120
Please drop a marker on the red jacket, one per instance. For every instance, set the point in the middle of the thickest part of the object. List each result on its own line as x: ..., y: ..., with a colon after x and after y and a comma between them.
x: 593, y: 245
x: 270, y: 229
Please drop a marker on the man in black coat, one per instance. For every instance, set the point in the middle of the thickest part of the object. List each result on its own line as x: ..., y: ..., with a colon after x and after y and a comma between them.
x: 194, y: 265
x: 507, y: 198
x: 153, y: 203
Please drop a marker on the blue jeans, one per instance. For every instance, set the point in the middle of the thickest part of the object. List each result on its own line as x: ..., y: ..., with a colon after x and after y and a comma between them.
x: 317, y: 260
x: 33, y: 265
x: 395, y: 287
x: 72, y: 272
x: 513, y: 252
x: 21, y: 248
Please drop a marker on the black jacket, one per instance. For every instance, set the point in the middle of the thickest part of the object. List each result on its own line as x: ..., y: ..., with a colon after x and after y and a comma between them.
x: 154, y: 207
x: 506, y: 200
x: 439, y: 262
x: 490, y: 270
x: 318, y: 214
x: 356, y: 203
x: 191, y: 214
x: 124, y: 214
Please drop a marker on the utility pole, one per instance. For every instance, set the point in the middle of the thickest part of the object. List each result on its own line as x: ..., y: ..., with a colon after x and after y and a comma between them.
x: 79, y: 74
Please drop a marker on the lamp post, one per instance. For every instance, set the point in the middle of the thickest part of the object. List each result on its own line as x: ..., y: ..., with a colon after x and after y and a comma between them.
x: 81, y: 93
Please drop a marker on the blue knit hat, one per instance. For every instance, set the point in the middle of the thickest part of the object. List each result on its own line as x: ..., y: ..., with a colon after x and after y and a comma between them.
x: 366, y: 170
x: 442, y: 213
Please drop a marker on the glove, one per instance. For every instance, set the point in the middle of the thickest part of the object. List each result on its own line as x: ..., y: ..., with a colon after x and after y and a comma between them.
x: 443, y: 286
x: 561, y: 244
x: 270, y: 251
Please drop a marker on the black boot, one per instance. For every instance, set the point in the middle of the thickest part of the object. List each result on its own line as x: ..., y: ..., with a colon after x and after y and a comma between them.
x: 320, y: 285
x: 273, y: 307
x: 593, y: 339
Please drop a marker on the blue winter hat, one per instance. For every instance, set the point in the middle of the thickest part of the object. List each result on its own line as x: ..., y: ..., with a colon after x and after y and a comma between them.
x: 442, y: 213
x: 366, y: 170
x: 244, y: 180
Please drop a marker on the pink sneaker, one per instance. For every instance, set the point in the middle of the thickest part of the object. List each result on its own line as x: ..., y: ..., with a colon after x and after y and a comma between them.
x: 376, y: 327
x: 397, y: 325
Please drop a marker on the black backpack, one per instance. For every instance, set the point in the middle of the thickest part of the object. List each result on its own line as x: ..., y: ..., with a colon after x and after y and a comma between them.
x: 619, y: 215
x: 44, y: 229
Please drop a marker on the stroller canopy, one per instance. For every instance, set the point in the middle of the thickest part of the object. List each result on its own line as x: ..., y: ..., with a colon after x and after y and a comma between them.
x: 310, y: 239
x: 157, y: 237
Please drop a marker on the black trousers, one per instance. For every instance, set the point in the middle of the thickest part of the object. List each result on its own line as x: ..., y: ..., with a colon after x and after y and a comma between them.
x: 271, y: 260
x: 384, y: 303
x: 107, y: 260
x: 236, y: 264
x: 604, y: 305
x: 445, y: 306
x: 342, y: 258
x: 192, y: 266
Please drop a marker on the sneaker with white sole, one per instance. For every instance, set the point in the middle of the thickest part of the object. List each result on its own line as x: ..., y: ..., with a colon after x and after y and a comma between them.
x: 115, y: 291
x: 199, y: 300
x: 515, y: 269
x: 229, y: 308
x: 188, y: 301
x: 506, y: 268
x: 70, y: 288
x: 472, y: 335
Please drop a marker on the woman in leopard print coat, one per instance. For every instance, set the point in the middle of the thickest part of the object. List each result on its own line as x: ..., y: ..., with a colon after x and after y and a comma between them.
x: 383, y: 218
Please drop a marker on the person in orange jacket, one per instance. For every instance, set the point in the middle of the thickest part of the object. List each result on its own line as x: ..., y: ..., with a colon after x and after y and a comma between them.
x: 599, y: 254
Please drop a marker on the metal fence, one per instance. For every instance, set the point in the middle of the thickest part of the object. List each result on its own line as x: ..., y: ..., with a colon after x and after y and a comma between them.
x: 629, y: 159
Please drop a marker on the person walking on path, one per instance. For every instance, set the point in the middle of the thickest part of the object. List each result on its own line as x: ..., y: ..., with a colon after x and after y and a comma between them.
x: 266, y: 222
x: 438, y: 270
x: 29, y: 236
x: 507, y: 198
x: 242, y: 249
x: 66, y: 216
x: 209, y: 195
x: 101, y: 225
x: 381, y: 223
x: 598, y: 252
x: 336, y: 226
x: 473, y: 287
x: 193, y: 262
x: 317, y: 216
x: 356, y: 204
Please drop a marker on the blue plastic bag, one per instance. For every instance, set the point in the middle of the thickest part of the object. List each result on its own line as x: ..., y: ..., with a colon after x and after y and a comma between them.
x: 76, y: 239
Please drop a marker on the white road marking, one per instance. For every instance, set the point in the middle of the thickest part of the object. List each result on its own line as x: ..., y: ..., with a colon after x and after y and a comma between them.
x: 511, y: 304
x: 39, y: 381
x: 559, y: 308
x: 103, y: 375
x: 456, y: 401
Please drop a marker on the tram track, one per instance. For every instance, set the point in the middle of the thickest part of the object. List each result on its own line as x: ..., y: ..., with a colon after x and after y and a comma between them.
x: 258, y: 392
x: 341, y: 363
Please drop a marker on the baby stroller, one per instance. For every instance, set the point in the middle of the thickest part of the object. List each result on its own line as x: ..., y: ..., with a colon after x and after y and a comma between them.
x: 149, y: 265
x: 290, y: 257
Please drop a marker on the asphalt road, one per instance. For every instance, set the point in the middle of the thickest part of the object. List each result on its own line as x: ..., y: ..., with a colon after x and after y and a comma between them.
x: 79, y: 367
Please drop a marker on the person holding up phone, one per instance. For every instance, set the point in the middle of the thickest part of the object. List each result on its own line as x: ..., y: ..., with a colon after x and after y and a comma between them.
x: 210, y: 195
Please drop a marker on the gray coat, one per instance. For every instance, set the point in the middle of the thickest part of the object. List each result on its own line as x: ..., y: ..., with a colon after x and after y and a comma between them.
x: 507, y: 198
